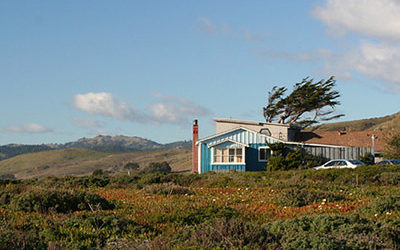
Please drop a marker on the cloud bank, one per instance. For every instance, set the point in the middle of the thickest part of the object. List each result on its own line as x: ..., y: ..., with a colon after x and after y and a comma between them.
x: 167, y: 110
x: 378, y: 52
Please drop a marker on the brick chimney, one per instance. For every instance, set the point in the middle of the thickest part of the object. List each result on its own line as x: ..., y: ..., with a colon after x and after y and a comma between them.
x: 195, y: 147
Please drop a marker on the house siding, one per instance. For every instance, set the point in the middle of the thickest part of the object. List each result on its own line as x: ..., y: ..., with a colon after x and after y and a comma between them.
x: 252, y: 163
x: 254, y: 140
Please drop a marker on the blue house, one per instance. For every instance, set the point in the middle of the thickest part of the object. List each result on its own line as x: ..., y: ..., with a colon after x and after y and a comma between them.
x: 242, y: 146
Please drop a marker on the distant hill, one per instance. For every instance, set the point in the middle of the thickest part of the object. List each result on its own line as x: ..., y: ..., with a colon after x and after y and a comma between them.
x: 79, y: 161
x: 390, y: 122
x: 108, y: 144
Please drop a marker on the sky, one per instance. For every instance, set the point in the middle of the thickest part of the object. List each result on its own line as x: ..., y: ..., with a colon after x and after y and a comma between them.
x: 73, y: 69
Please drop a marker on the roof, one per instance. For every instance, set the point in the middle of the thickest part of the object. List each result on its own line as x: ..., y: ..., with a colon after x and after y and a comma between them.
x: 345, y: 138
x: 234, y: 129
x: 252, y: 122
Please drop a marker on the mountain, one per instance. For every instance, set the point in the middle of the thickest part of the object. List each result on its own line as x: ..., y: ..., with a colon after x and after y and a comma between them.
x: 108, y: 144
x: 390, y: 122
x: 80, y: 161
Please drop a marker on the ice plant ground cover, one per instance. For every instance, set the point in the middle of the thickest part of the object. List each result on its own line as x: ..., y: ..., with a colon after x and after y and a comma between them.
x: 283, y: 209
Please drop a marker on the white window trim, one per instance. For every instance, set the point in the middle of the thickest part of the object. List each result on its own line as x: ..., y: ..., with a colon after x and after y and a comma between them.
x: 229, y: 163
x: 262, y: 160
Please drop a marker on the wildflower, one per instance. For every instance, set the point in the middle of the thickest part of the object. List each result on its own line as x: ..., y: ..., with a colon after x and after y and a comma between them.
x: 214, y: 200
x: 376, y: 215
x: 388, y: 213
x: 247, y: 188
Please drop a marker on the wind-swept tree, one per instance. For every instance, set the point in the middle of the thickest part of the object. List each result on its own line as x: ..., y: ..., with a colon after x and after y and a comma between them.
x: 309, y: 103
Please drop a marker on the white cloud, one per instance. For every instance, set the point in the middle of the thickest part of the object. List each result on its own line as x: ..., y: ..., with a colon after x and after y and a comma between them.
x: 373, y: 18
x: 167, y: 109
x: 29, y: 128
x: 105, y: 104
x: 177, y: 110
x: 378, y: 54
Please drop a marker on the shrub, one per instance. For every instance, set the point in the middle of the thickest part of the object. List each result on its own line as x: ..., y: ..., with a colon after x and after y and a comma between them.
x: 7, y: 177
x: 294, y: 159
x: 98, y: 172
x: 333, y: 232
x: 155, y: 167
x: 131, y: 166
x: 303, y: 197
x: 223, y: 233
x: 367, y: 159
x: 166, y: 188
x: 58, y: 201
x: 384, y: 204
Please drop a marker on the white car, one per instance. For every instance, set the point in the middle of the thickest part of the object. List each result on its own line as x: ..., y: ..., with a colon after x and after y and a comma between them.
x: 341, y: 164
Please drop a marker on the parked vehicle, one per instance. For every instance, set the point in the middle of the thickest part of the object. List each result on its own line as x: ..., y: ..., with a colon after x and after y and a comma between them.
x: 390, y: 162
x: 343, y: 163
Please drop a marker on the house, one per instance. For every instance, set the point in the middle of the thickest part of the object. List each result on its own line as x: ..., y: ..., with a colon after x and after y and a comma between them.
x: 243, y: 146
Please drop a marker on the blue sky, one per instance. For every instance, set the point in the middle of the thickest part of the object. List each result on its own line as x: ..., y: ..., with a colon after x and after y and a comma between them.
x: 72, y: 69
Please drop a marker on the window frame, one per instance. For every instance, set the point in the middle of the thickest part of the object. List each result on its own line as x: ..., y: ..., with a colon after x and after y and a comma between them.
x: 259, y: 153
x: 235, y: 156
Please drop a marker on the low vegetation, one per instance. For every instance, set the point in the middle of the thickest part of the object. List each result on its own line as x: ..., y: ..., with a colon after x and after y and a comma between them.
x: 295, y: 209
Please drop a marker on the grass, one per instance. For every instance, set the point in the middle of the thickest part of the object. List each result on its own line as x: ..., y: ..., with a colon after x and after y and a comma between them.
x: 387, y: 122
x: 77, y: 161
x: 296, y: 209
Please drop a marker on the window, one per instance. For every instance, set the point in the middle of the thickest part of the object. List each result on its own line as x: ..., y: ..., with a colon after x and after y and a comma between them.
x: 265, y: 131
x: 264, y: 154
x: 228, y: 155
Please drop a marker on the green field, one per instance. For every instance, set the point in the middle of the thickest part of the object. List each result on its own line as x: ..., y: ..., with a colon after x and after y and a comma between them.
x: 298, y: 209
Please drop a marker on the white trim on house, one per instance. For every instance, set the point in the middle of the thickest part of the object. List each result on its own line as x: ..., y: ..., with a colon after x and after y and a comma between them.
x: 243, y: 162
x: 262, y: 147
x: 227, y: 140
x: 199, y: 158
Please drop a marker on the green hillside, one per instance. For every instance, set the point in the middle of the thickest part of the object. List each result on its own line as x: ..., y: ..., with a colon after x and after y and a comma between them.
x: 386, y: 123
x: 78, y: 161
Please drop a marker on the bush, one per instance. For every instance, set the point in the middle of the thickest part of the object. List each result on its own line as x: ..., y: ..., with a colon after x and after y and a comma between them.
x: 333, y: 232
x: 98, y: 172
x: 297, y: 159
x: 303, y: 197
x: 367, y: 159
x: 58, y: 201
x: 166, y: 188
x: 222, y: 233
x: 157, y: 167
x: 385, y: 204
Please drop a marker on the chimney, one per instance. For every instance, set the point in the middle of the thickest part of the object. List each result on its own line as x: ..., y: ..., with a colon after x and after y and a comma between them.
x: 195, y: 147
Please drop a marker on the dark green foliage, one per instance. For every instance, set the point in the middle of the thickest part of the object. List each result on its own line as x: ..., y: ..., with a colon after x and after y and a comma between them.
x: 98, y: 172
x: 223, y: 233
x: 333, y: 232
x: 9, y: 151
x: 7, y: 177
x: 286, y: 158
x: 131, y: 166
x: 367, y: 159
x: 307, y: 97
x: 154, y: 167
x: 302, y: 197
x: 166, y: 188
x: 58, y: 201
x: 385, y: 204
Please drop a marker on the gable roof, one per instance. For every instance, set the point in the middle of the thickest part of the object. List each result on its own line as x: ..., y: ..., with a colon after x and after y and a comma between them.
x: 235, y: 129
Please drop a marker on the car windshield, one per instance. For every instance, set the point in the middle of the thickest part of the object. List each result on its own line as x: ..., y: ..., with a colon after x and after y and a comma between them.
x: 396, y: 161
x: 356, y: 162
